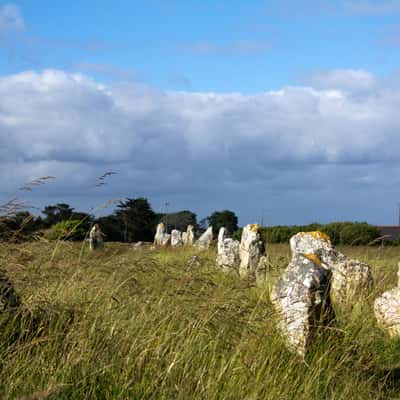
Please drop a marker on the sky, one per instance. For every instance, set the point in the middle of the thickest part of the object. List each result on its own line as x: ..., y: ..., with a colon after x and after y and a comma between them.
x: 286, y: 112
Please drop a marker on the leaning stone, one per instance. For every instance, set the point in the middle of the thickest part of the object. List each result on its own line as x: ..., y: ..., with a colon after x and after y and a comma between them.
x: 250, y: 251
x: 8, y: 297
x: 228, y: 252
x: 387, y: 311
x: 176, y: 238
x: 351, y: 281
x: 204, y: 241
x: 301, y: 300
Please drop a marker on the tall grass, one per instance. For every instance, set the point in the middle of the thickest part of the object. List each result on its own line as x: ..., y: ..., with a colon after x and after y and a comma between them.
x: 142, y: 324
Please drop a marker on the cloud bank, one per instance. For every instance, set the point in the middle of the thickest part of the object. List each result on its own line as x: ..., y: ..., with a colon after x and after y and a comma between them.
x: 327, y: 148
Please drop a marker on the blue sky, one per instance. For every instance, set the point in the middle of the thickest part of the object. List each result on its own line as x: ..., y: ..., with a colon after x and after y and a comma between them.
x: 275, y: 109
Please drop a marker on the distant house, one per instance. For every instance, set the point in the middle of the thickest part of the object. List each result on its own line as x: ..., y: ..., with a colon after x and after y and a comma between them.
x: 390, y: 232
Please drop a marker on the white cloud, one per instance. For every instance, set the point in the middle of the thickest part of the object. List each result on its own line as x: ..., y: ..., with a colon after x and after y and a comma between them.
x: 201, y: 146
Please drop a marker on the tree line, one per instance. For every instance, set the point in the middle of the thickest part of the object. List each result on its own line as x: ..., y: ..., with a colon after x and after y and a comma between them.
x: 133, y: 220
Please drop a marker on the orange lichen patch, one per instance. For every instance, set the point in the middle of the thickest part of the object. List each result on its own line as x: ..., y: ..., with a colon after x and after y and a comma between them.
x: 254, y: 227
x: 314, y: 258
x: 317, y: 235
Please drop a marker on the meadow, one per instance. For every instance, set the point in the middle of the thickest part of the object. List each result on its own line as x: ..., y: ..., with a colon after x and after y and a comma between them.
x: 127, y: 323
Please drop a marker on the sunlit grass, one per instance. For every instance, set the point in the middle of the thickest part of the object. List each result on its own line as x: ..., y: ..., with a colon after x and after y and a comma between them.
x: 163, y: 324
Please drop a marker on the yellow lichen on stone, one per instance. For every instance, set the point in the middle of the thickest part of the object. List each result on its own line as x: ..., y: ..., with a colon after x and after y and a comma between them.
x: 314, y: 258
x: 317, y: 235
x: 254, y: 227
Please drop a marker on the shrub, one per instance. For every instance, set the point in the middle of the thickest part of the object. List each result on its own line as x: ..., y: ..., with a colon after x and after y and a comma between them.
x: 66, y: 230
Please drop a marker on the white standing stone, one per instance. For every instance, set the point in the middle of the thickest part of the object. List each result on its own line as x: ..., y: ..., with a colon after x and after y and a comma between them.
x: 299, y: 298
x: 228, y: 252
x: 204, y: 241
x: 176, y: 238
x: 250, y: 251
x: 190, y: 235
x: 160, y: 232
x: 387, y: 310
x: 95, y: 238
x: 350, y: 280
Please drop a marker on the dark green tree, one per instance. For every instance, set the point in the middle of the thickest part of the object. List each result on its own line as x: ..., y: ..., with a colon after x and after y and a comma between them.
x: 137, y: 218
x: 178, y: 220
x: 225, y: 218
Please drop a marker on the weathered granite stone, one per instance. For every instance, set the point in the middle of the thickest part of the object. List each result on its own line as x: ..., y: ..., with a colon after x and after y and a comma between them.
x: 176, y: 238
x: 95, y: 238
x: 160, y: 232
x: 317, y: 243
x: 351, y: 281
x: 189, y: 237
x: 161, y: 238
x: 250, y: 251
x: 387, y: 309
x: 350, y: 278
x: 204, y: 241
x: 8, y: 297
x: 301, y: 300
x: 228, y: 252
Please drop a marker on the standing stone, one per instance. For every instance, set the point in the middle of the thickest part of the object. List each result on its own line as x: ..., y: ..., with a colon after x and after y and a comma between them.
x: 350, y: 278
x: 184, y: 238
x: 160, y: 232
x: 301, y: 300
x: 189, y: 236
x: 95, y: 238
x: 176, y: 238
x: 204, y: 241
x: 228, y: 252
x: 8, y: 297
x: 387, y: 310
x: 161, y: 238
x: 250, y: 251
x: 317, y: 243
x: 317, y: 273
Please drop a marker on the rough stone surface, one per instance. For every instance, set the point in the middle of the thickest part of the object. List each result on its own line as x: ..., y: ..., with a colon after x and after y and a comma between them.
x: 161, y: 238
x: 228, y: 252
x: 8, y: 296
x: 176, y: 238
x: 95, y: 238
x: 160, y: 232
x: 317, y: 243
x: 301, y: 299
x: 250, y: 251
x: 204, y: 241
x: 351, y: 280
x: 387, y: 311
x: 189, y: 236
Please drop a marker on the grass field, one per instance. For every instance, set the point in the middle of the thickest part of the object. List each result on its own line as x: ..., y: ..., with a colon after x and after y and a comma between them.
x: 142, y: 324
